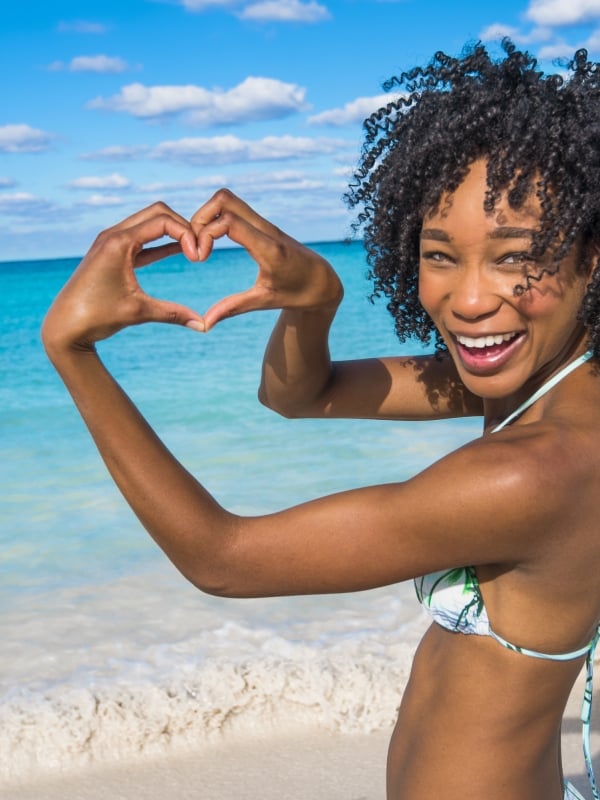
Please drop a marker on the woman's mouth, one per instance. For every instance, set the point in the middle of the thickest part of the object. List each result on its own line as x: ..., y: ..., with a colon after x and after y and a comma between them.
x: 487, y: 352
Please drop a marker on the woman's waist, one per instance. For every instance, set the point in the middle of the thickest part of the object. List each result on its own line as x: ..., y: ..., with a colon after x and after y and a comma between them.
x: 455, y: 674
x: 490, y: 731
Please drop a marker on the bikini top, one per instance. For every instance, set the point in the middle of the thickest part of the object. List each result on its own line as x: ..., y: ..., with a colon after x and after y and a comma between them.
x: 453, y: 597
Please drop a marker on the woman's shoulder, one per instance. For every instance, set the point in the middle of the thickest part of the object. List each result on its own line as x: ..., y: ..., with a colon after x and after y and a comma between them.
x: 508, y: 492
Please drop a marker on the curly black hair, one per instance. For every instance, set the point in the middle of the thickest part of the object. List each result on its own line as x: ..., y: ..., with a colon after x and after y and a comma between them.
x: 539, y: 133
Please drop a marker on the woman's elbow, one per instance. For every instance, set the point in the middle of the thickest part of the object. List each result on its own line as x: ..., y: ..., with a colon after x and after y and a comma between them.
x: 210, y: 581
x: 217, y: 573
x: 282, y: 408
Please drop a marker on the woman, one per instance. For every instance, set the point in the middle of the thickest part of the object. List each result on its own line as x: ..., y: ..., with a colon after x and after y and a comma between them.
x: 480, y: 190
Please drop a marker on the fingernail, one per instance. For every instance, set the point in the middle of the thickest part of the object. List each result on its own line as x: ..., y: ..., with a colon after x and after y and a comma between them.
x: 196, y: 325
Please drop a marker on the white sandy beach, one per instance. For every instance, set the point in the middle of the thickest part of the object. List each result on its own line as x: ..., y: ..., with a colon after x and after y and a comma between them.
x: 310, y: 763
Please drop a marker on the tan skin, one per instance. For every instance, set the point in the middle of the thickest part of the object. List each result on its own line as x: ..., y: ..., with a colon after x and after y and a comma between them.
x: 476, y: 720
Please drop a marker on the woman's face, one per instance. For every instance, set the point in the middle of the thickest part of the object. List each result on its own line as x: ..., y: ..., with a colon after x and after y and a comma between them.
x: 470, y: 262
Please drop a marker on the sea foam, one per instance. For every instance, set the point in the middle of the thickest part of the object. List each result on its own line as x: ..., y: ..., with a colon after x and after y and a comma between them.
x: 354, y: 686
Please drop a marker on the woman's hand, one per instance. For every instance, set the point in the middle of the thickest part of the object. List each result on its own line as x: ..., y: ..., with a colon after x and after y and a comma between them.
x: 103, y: 294
x: 290, y: 276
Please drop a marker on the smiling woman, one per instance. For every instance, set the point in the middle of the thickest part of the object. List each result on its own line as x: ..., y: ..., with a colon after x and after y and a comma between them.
x: 471, y: 285
x: 537, y: 135
x: 481, y: 202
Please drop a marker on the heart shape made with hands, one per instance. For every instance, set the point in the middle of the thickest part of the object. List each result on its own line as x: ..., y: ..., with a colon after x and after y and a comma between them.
x: 290, y: 275
x: 104, y: 296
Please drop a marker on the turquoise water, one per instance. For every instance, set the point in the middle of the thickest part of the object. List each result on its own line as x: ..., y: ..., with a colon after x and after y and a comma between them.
x: 63, y: 523
x: 86, y: 598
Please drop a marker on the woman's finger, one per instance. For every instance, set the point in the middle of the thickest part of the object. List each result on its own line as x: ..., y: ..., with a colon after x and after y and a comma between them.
x: 103, y: 296
x: 261, y: 246
x: 180, y: 230
x: 225, y: 201
x: 150, y: 228
x: 252, y: 299
x: 171, y: 313
x: 144, y: 214
x: 150, y: 255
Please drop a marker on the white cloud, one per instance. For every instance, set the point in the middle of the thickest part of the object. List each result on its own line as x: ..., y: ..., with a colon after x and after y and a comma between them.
x: 252, y: 182
x: 559, y: 12
x: 100, y: 63
x: 203, y: 5
x: 23, y: 139
x: 22, y: 204
x: 102, y: 201
x: 207, y: 183
x: 498, y: 31
x: 81, y: 26
x: 343, y: 172
x: 592, y: 43
x: 556, y: 50
x: 7, y: 183
x: 278, y: 181
x: 354, y: 111
x: 265, y: 10
x: 231, y: 149
x: 562, y: 49
x: 153, y: 101
x: 285, y: 11
x: 253, y: 99
x: 114, y: 181
x: 116, y: 153
x: 226, y: 150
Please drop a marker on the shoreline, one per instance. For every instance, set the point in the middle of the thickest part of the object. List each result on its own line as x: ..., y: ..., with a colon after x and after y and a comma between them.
x: 309, y: 761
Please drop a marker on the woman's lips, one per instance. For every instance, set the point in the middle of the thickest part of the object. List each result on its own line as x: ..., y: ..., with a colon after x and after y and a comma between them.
x: 487, y: 353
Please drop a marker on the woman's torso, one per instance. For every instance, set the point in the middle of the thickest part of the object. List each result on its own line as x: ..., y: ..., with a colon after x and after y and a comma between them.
x: 477, y: 719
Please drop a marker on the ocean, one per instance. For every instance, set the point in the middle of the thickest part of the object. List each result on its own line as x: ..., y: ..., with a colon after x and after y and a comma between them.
x: 105, y: 651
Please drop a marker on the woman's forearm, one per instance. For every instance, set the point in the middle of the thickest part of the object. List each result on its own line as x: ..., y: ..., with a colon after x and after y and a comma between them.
x: 297, y: 366
x: 180, y: 515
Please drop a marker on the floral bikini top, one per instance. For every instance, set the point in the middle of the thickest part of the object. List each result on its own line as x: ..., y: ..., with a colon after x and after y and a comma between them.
x: 453, y: 598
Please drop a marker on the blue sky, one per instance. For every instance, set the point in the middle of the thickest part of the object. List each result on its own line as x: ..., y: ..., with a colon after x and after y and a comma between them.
x: 108, y: 105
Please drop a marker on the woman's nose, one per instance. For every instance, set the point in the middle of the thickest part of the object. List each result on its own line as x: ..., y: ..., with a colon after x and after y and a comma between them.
x: 474, y: 294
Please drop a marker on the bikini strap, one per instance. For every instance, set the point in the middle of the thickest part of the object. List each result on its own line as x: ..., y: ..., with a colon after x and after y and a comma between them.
x: 586, y: 715
x: 571, y: 656
x: 550, y: 384
x: 588, y: 694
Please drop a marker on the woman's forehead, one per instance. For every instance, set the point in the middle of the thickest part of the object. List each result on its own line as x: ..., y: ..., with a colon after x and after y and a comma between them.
x: 470, y: 200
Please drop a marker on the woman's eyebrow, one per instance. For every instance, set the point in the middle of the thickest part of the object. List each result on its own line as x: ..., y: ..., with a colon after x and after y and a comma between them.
x: 504, y: 232
x: 435, y: 233
x: 511, y: 233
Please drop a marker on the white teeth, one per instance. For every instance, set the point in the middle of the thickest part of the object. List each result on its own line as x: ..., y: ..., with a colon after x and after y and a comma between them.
x: 485, y: 341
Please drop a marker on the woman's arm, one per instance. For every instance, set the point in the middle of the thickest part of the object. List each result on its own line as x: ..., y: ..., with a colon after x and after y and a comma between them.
x: 291, y: 277
x: 472, y: 507
x: 345, y: 542
x: 298, y: 377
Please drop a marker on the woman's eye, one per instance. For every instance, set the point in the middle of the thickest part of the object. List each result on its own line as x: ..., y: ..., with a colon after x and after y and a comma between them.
x: 435, y: 256
x: 517, y: 259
